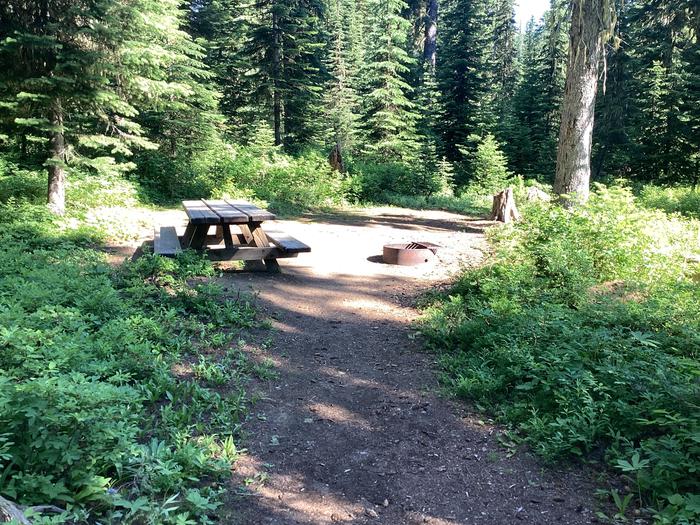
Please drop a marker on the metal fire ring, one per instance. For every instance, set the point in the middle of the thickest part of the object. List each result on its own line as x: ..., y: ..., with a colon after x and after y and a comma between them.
x: 409, y: 254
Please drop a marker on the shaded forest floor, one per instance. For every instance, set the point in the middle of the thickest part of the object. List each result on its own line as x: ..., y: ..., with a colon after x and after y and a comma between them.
x: 352, y: 428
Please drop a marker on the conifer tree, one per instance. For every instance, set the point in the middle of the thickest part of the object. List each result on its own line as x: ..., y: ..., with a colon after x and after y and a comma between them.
x: 389, y: 117
x: 76, y: 74
x: 537, y: 100
x: 592, y: 26
x: 341, y: 102
x: 278, y: 69
x: 464, y: 73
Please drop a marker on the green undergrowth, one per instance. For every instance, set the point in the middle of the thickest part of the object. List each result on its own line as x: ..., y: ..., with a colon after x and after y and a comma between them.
x: 583, y: 334
x: 468, y: 204
x: 681, y: 199
x: 121, y: 389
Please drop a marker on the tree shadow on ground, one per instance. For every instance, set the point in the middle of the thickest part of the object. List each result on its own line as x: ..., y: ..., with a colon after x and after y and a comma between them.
x: 352, y: 429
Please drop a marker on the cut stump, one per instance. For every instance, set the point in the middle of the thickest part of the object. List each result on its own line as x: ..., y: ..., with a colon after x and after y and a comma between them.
x: 504, y: 208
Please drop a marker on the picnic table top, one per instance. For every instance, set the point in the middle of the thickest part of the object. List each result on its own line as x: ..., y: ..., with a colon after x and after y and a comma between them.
x: 224, y: 211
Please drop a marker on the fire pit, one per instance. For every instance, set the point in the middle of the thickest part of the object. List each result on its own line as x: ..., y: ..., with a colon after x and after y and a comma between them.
x: 409, y: 254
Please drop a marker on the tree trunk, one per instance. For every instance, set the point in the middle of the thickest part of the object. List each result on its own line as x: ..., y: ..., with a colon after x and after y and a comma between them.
x: 56, y: 198
x: 590, y: 27
x: 277, y: 69
x: 430, y: 46
x: 504, y: 209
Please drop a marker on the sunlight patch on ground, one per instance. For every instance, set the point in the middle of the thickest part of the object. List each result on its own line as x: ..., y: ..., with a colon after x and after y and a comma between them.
x: 338, y: 414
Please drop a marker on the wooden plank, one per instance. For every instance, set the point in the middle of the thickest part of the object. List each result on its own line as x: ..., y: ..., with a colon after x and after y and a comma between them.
x: 287, y: 242
x: 166, y: 242
x: 199, y: 237
x: 228, y: 240
x: 228, y: 214
x: 247, y: 253
x: 189, y: 233
x: 259, y: 237
x: 200, y: 213
x: 253, y: 212
x: 247, y: 236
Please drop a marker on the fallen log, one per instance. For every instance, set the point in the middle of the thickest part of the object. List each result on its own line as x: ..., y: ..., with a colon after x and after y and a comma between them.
x: 11, y: 512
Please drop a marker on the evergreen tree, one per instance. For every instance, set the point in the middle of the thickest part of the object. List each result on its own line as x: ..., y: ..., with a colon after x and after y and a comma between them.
x: 340, y: 100
x: 663, y: 52
x: 219, y: 25
x: 76, y: 73
x: 527, y: 104
x: 613, y: 149
x: 389, y: 117
x: 276, y: 69
x: 537, y: 99
x: 464, y: 73
x: 503, y: 62
x: 592, y: 25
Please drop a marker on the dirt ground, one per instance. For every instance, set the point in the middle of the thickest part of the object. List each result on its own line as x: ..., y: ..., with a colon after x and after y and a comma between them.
x: 353, y: 428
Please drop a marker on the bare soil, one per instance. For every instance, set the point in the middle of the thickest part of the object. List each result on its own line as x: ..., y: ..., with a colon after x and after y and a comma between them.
x: 353, y: 429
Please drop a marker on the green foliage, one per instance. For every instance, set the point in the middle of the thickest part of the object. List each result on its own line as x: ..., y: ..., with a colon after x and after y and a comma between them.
x: 583, y: 333
x: 374, y: 180
x: 683, y: 200
x: 530, y: 136
x: 93, y: 418
x: 464, y: 74
x: 285, y: 182
x: 648, y: 126
x: 487, y: 169
x: 97, y: 84
x: 388, y: 114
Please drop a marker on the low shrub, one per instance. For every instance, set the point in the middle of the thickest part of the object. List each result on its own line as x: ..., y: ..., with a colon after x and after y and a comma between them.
x: 92, y: 418
x: 683, y: 200
x: 487, y: 166
x: 284, y: 182
x: 378, y: 180
x: 21, y: 184
x: 584, y: 334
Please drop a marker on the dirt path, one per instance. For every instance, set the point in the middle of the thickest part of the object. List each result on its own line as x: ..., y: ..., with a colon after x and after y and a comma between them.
x: 353, y: 430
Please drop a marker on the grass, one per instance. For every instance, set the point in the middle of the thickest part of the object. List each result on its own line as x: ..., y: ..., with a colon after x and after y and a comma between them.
x: 583, y: 334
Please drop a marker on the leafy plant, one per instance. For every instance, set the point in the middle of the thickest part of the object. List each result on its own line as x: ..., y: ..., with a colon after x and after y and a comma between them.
x: 94, y: 416
x: 583, y: 333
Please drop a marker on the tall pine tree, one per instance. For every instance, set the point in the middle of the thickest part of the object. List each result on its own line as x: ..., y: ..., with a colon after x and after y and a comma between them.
x: 388, y: 115
x: 77, y: 73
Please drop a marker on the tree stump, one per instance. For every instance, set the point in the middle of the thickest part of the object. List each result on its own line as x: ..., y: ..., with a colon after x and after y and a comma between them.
x: 504, y: 209
x: 335, y: 159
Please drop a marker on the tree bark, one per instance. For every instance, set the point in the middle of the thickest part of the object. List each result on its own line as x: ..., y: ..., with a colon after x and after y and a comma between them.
x: 9, y: 512
x: 430, y: 46
x: 504, y: 208
x: 335, y: 159
x: 590, y: 27
x: 56, y: 197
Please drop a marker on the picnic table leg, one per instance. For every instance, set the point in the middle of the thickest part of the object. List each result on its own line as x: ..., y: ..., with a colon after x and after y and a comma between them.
x: 226, y: 233
x: 255, y: 236
x: 199, y: 237
x: 187, y: 238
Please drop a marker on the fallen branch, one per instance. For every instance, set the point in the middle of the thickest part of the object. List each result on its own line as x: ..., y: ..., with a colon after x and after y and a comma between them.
x: 9, y: 512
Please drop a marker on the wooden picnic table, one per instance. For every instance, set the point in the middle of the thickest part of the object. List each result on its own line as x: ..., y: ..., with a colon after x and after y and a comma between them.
x: 209, y: 226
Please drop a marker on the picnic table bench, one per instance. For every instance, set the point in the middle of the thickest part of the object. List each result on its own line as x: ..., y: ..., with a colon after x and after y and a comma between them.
x: 209, y: 225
